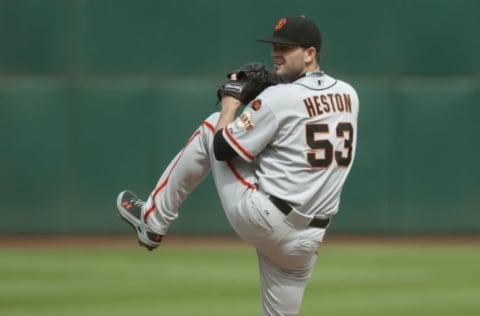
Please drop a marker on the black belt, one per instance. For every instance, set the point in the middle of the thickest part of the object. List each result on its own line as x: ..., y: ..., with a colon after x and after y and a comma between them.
x: 285, y: 208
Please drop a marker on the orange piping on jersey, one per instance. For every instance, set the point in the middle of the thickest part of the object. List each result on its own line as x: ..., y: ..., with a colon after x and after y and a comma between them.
x: 164, y: 183
x: 240, y: 178
x: 245, y: 152
x: 154, y: 206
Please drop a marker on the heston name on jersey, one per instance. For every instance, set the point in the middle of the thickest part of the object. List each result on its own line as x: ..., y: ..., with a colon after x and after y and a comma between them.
x: 327, y: 103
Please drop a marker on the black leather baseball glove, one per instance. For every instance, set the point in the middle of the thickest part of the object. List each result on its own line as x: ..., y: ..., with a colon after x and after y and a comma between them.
x: 252, y: 79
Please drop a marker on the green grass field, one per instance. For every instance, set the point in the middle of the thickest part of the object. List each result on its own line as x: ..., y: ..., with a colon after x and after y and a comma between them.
x: 180, y: 280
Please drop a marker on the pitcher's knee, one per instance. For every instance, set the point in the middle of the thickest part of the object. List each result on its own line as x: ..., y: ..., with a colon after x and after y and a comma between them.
x: 213, y: 118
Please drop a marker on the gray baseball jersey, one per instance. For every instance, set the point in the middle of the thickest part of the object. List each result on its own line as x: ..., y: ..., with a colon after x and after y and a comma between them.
x: 297, y: 142
x: 302, y: 137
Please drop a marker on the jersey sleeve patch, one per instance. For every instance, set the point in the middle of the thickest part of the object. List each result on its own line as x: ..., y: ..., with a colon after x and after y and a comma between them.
x: 244, y: 121
x: 241, y: 151
x: 251, y: 131
x: 256, y: 104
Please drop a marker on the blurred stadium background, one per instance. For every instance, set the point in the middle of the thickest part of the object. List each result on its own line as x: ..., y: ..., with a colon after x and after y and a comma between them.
x: 98, y: 96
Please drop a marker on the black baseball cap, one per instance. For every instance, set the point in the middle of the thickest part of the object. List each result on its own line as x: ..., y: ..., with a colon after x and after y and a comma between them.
x: 295, y: 30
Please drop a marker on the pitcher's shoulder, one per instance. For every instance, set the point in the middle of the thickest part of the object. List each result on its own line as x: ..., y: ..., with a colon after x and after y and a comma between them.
x: 280, y: 90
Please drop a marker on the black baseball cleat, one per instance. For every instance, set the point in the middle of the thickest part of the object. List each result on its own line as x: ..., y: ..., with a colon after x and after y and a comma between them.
x: 131, y: 210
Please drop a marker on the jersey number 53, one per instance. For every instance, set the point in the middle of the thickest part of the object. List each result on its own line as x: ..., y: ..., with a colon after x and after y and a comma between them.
x: 342, y: 157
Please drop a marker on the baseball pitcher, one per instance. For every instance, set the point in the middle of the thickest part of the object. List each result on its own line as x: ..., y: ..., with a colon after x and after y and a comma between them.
x: 279, y: 167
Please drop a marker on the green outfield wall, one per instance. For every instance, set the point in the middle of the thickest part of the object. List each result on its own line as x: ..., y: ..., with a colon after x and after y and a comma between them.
x: 98, y: 96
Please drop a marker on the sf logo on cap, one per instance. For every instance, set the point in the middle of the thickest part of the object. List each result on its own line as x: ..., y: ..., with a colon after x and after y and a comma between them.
x: 280, y: 24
